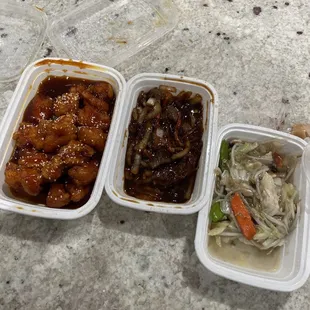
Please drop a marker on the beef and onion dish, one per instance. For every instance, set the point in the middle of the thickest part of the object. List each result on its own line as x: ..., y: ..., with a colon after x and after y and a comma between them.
x: 60, y: 142
x: 164, y: 145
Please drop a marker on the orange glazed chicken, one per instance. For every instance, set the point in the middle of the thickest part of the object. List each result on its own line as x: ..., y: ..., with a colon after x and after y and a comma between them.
x: 60, y: 142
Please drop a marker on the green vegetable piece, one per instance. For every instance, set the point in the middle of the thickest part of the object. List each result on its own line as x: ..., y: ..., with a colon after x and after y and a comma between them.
x: 224, y: 153
x: 216, y: 212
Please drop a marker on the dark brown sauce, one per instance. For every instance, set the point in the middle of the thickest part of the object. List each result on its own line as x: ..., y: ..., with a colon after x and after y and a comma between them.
x: 52, y: 86
x: 68, y: 62
x: 174, y: 194
x: 162, y: 176
x: 41, y: 198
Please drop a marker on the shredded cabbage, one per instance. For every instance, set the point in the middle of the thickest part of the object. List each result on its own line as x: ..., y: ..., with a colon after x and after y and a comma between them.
x: 270, y: 199
x: 264, y: 187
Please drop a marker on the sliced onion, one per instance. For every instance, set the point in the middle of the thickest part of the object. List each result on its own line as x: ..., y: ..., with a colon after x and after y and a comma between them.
x: 193, y: 120
x: 159, y: 161
x: 155, y: 112
x: 196, y: 99
x: 142, y: 115
x: 190, y: 188
x: 151, y: 102
x: 135, y: 114
x: 172, y: 113
x: 168, y: 88
x: 129, y: 154
x: 182, y: 153
x: 225, y: 206
x: 143, y: 143
x: 159, y: 132
x: 136, y: 164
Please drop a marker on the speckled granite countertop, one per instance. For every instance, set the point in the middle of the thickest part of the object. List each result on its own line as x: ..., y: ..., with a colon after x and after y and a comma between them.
x: 116, y: 258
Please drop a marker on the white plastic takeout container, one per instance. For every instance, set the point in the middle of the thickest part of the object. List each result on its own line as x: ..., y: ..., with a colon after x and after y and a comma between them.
x: 294, y: 267
x: 115, y: 182
x: 111, y: 170
x: 27, y: 87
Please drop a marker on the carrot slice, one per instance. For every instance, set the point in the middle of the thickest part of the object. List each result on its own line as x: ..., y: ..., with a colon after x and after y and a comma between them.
x: 243, y: 217
x: 278, y: 160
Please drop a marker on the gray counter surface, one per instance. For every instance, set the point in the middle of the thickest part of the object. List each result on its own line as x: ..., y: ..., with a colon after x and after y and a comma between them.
x: 118, y: 258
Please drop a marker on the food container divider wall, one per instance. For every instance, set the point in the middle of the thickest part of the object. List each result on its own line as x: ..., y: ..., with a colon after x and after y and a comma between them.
x: 294, y: 268
x: 114, y: 186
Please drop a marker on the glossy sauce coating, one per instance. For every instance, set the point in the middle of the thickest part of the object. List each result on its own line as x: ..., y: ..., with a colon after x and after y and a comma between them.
x: 60, y: 142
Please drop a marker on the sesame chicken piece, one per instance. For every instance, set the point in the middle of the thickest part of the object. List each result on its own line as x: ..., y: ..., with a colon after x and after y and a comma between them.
x: 23, y: 179
x: 57, y: 196
x: 58, y: 133
x: 103, y: 90
x: 28, y: 134
x: 85, y: 174
x: 41, y: 107
x: 67, y: 103
x: 77, y: 192
x: 88, y: 116
x: 93, y: 137
x: 32, y: 159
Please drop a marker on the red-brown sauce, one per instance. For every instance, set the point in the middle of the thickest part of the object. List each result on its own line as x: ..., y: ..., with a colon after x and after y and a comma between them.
x: 63, y: 131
